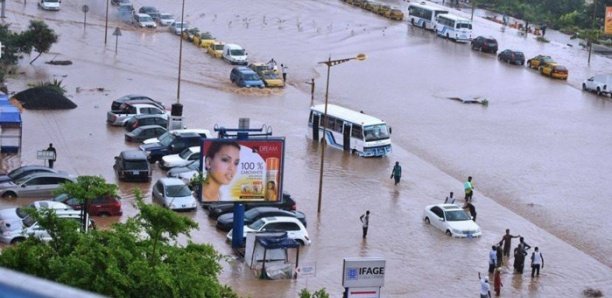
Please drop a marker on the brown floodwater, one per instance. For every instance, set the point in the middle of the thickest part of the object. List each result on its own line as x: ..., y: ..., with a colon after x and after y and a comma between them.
x: 539, y: 152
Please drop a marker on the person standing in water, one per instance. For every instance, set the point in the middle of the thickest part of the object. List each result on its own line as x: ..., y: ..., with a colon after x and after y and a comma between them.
x: 396, y: 173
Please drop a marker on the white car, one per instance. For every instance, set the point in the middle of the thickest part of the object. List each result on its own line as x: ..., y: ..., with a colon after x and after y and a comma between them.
x: 178, y: 27
x: 452, y: 220
x: 205, y: 133
x: 120, y: 117
x: 165, y: 19
x: 144, y: 20
x: 13, y: 231
x: 50, y: 4
x: 20, y: 212
x: 181, y: 159
x: 600, y: 84
x: 173, y: 194
x: 293, y: 226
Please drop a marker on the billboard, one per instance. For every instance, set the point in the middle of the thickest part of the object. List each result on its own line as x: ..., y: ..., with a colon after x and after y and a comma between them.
x: 363, y: 272
x: 242, y: 170
x: 608, y: 20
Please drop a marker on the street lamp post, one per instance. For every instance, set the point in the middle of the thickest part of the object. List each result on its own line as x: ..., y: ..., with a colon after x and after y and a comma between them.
x: 329, y: 63
x: 178, y: 88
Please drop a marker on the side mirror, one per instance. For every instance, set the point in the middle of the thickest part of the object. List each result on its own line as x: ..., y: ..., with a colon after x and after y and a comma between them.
x: 390, y: 130
x: 441, y: 219
x: 116, y: 157
x: 23, y: 186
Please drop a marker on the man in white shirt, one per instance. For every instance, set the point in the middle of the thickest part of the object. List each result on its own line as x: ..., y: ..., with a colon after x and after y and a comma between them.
x: 537, y: 260
x: 485, y: 288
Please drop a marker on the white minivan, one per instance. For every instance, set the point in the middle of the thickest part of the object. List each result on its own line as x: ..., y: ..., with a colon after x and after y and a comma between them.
x: 600, y: 84
x: 49, y: 4
x: 234, y: 54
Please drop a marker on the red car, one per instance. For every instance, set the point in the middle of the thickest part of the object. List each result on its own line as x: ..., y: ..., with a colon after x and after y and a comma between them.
x: 102, y: 206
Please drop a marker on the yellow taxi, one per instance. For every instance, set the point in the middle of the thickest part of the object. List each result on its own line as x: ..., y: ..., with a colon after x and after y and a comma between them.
x: 554, y: 70
x: 270, y: 77
x: 190, y: 33
x: 538, y: 60
x: 203, y: 40
x: 372, y: 6
x: 395, y: 14
x: 383, y: 9
x: 215, y: 49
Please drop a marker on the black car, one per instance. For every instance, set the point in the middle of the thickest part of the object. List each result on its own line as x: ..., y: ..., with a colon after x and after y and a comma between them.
x: 171, y: 144
x: 24, y: 171
x: 118, y: 2
x: 485, y: 44
x: 216, y: 209
x: 146, y: 119
x: 225, y: 222
x: 132, y: 165
x: 118, y: 103
x: 151, y: 11
x: 512, y: 57
x: 144, y: 132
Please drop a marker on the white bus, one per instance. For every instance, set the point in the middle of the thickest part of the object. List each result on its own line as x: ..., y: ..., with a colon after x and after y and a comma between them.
x: 454, y: 27
x: 423, y: 15
x: 349, y: 130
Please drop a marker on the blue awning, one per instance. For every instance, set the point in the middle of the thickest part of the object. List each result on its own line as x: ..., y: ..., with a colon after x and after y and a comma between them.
x: 271, y: 242
x: 9, y: 115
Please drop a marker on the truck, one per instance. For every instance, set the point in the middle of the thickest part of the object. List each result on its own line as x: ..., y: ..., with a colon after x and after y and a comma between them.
x: 599, y: 84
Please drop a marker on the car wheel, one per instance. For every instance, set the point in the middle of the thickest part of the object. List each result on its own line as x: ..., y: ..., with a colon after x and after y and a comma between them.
x: 583, y: 87
x: 17, y: 240
x: 448, y: 233
x: 9, y: 195
x: 427, y: 220
x: 598, y: 91
x: 299, y: 241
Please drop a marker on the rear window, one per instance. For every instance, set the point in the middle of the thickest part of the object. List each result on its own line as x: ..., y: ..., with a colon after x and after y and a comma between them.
x: 136, y: 165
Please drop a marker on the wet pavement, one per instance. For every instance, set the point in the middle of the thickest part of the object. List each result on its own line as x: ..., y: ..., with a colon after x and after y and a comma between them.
x: 539, y: 152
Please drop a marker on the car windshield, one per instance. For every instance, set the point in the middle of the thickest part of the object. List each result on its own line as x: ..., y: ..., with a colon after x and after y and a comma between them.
x: 560, y: 68
x: 218, y: 47
x: 269, y: 75
x: 21, y: 212
x: 456, y: 215
x: 28, y: 221
x: 146, y: 19
x: 177, y: 191
x: 185, y: 153
x: 136, y: 164
x: 376, y: 132
x: 16, y: 173
x: 257, y: 224
x: 167, y: 140
x: 166, y: 17
x: 237, y: 52
x: 52, y: 1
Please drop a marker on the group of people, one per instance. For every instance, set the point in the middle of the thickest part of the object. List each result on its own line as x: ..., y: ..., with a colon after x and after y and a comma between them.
x: 283, y: 68
x: 502, y: 250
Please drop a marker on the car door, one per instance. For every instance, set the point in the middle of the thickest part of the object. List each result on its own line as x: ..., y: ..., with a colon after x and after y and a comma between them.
x: 437, y: 221
x: 32, y: 187
x: 158, y: 191
x: 49, y: 185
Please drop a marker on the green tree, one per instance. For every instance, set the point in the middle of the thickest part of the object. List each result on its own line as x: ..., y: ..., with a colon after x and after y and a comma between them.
x: 138, y: 258
x: 38, y: 37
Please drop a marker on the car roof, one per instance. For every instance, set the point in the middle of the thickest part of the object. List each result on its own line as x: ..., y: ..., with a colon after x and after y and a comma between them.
x: 145, y: 127
x: 446, y: 207
x: 281, y: 219
x: 143, y: 15
x: 244, y: 69
x: 134, y: 155
x: 171, y: 181
x: 144, y: 116
x: 50, y: 204
x: 142, y: 105
x: 49, y: 174
x: 186, y: 134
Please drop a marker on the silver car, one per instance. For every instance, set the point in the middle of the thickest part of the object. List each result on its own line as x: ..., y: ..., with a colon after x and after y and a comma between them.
x: 24, y: 171
x: 20, y: 212
x: 35, y: 185
x: 173, y: 194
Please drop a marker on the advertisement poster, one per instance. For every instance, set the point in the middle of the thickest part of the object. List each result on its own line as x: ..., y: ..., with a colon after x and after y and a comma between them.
x: 608, y: 20
x: 242, y: 170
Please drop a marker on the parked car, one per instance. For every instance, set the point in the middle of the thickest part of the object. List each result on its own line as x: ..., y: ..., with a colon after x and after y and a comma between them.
x: 132, y: 165
x: 225, y: 222
x: 538, y: 60
x: 395, y: 14
x: 216, y: 49
x: 204, y: 133
x: 24, y: 171
x: 193, y: 165
x: 203, y: 39
x: 118, y: 104
x: 53, y: 5
x: 269, y: 77
x: 34, y: 185
x: 120, y: 117
x: 512, y: 57
x: 178, y: 27
x: 126, y: 12
x: 600, y: 84
x: 452, y: 220
x: 173, y: 194
x: 144, y: 132
x: 245, y: 77
x: 294, y: 228
x: 554, y: 70
x: 176, y: 143
x: 19, y: 213
x: 100, y: 206
x: 144, y: 21
x: 485, y: 44
x: 181, y: 159
x: 144, y: 119
x: 216, y: 209
x: 165, y: 19
x: 16, y: 231
x: 151, y: 11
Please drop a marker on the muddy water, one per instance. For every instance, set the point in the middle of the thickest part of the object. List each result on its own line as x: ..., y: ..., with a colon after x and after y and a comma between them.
x: 538, y: 152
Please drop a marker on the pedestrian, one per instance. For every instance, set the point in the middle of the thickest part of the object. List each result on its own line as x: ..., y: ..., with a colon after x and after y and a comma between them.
x: 396, y: 173
x: 537, y: 262
x: 449, y: 199
x: 497, y: 284
x: 499, y: 255
x: 485, y: 288
x: 543, y: 30
x: 284, y: 70
x: 469, y: 189
x: 524, y: 244
x: 492, y: 258
x: 53, y: 158
x: 471, y: 209
x: 365, y: 221
x: 272, y: 64
x: 519, y: 258
x: 507, y: 241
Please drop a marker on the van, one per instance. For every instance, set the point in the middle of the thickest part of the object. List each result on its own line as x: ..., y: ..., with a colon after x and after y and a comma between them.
x: 245, y: 77
x: 600, y: 84
x: 234, y: 54
x: 50, y: 4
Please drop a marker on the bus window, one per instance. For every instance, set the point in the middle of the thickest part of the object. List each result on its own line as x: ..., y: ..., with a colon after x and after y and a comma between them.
x: 357, y: 132
x: 376, y: 132
x: 339, y: 125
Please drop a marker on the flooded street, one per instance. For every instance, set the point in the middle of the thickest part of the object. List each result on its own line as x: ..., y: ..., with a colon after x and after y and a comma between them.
x: 539, y: 152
